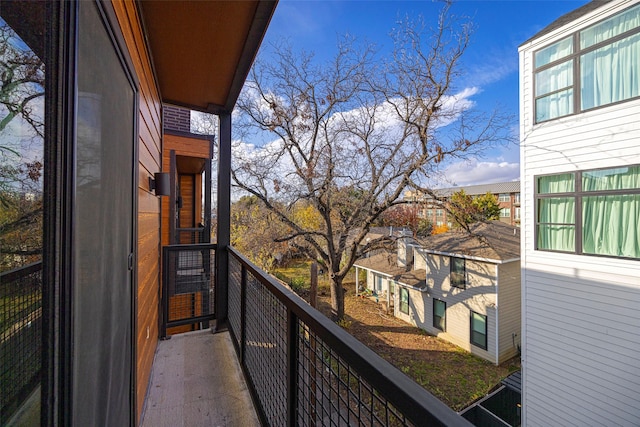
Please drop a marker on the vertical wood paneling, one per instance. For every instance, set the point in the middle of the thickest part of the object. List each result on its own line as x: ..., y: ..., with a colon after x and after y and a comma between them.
x: 149, y: 156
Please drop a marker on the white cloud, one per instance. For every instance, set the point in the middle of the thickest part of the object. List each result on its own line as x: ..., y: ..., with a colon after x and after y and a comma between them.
x: 260, y: 150
x: 473, y: 171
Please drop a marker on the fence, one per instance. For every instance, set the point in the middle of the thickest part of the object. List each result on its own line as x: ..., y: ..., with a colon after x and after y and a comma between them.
x: 20, y: 336
x: 304, y: 370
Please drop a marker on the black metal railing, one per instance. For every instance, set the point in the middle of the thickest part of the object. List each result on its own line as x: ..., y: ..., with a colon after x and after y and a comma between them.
x: 187, y: 285
x: 304, y: 370
x: 191, y: 236
x: 20, y: 336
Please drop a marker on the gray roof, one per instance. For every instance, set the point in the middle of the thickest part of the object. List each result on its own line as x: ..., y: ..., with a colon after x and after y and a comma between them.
x: 493, y: 240
x: 569, y: 17
x: 387, y: 263
x: 477, y: 190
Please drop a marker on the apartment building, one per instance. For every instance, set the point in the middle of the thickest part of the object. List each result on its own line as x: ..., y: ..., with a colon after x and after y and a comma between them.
x: 507, y: 193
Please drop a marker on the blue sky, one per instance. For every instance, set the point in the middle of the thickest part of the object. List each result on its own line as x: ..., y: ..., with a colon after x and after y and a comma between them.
x: 490, y: 64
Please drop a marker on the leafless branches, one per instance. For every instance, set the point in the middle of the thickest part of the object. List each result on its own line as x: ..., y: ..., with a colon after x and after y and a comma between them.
x: 350, y: 136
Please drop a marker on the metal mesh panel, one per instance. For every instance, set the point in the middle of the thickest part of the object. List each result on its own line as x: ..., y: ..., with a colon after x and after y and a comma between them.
x: 332, y: 393
x: 189, y: 277
x: 302, y: 369
x: 235, y: 273
x: 266, y: 350
x: 20, y: 335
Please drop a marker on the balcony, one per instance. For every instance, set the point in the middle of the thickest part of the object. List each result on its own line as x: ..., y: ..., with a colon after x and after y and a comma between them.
x: 276, y: 361
x: 300, y: 368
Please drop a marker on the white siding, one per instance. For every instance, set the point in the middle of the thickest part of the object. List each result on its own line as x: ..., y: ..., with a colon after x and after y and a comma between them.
x: 509, y: 313
x: 581, y: 316
x: 479, y: 296
x: 419, y: 262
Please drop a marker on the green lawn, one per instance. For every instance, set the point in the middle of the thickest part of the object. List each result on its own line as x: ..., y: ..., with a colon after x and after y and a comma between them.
x: 455, y: 376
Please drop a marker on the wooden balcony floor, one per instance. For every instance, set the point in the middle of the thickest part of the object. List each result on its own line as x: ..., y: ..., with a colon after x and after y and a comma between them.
x: 196, y: 381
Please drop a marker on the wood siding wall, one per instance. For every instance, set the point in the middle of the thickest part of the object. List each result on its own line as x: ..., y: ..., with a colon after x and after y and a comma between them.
x: 196, y: 146
x: 149, y: 149
x: 581, y: 323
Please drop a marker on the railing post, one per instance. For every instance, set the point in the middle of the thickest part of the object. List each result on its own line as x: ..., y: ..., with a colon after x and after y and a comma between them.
x: 292, y: 368
x: 243, y: 312
x: 165, y: 293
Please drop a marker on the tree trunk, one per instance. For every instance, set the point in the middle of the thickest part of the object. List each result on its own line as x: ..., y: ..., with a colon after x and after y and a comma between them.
x: 337, y: 298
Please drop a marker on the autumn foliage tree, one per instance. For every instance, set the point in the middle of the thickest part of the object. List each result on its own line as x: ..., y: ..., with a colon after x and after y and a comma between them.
x: 466, y: 210
x: 350, y: 135
x: 254, y: 231
x: 407, y: 216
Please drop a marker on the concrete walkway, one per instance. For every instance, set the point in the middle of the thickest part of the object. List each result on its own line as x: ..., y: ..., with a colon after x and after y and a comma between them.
x: 196, y: 381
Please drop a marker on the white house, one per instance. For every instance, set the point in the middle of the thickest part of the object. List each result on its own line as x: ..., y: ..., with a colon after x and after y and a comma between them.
x: 580, y: 180
x: 461, y: 286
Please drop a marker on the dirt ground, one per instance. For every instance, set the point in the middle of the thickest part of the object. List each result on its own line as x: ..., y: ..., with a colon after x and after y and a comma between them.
x: 453, y: 375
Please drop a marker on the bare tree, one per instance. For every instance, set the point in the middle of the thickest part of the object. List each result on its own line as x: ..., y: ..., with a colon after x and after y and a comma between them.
x: 351, y: 135
x: 21, y: 144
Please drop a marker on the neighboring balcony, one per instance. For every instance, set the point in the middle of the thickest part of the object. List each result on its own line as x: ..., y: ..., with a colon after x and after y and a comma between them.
x: 300, y: 368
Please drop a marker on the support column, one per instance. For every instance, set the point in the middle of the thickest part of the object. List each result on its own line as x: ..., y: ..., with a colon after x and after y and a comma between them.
x: 357, y: 275
x: 224, y: 221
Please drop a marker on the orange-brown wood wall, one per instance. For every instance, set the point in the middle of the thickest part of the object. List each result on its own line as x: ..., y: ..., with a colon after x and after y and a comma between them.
x: 149, y: 155
x: 189, y: 147
x: 191, y: 191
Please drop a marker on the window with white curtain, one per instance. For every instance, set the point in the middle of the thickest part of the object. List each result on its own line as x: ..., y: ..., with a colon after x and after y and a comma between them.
x: 592, y: 212
x: 604, y: 59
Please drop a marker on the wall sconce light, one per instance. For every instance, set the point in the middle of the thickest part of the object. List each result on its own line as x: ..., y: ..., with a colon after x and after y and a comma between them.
x: 160, y: 183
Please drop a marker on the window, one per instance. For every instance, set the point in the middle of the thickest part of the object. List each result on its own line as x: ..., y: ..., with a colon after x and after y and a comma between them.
x: 458, y: 273
x: 479, y: 330
x: 516, y: 198
x: 505, y: 213
x: 592, y: 212
x: 439, y: 314
x: 594, y: 67
x: 504, y: 197
x: 438, y: 212
x: 516, y: 214
x: 404, y: 300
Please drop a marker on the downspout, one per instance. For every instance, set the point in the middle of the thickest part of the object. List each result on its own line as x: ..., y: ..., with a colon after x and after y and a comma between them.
x: 357, y: 271
x: 497, y: 318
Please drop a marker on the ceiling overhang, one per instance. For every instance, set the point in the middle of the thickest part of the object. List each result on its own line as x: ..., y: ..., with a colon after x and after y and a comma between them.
x: 202, y: 51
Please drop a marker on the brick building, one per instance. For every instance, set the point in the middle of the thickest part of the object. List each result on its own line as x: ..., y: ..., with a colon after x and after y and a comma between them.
x: 507, y: 193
